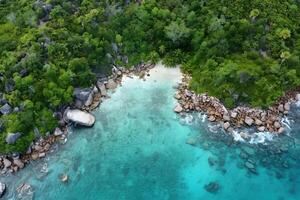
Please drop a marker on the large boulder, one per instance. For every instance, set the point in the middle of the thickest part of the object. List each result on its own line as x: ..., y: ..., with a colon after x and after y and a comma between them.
x: 249, y: 121
x: 5, y: 109
x: 6, y: 163
x: 111, y: 84
x: 2, y: 189
x: 178, y: 109
x: 83, y: 96
x: 80, y: 117
x: 12, y: 138
x: 58, y: 132
x: 102, y: 88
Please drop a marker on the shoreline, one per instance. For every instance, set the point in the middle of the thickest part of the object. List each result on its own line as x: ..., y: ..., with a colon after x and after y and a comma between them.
x: 263, y: 120
x: 14, y: 162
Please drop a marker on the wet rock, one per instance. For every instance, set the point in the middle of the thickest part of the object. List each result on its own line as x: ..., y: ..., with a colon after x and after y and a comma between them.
x: 64, y: 178
x: 212, y: 187
x: 80, y: 117
x: 277, y: 124
x: 58, y: 132
x: 11, y: 138
x: 34, y: 156
x: 2, y: 189
x: 6, y: 109
x: 177, y: 96
x: 261, y: 128
x: 287, y: 107
x: 178, y: 109
x: 6, y: 163
x: 42, y: 155
x: 226, y: 125
x: 212, y: 118
x: 280, y: 130
x: 19, y: 163
x: 111, y: 84
x: 248, y: 120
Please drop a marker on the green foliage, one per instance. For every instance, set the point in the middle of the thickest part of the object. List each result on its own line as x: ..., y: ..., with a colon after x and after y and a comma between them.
x: 243, y: 52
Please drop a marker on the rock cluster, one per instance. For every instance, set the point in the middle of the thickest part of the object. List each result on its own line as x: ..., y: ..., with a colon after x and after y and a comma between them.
x: 264, y: 120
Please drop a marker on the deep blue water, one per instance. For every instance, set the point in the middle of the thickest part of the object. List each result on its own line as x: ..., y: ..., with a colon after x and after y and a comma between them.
x: 137, y: 150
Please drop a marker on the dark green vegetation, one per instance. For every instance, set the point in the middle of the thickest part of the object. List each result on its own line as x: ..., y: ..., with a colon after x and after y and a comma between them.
x: 240, y: 51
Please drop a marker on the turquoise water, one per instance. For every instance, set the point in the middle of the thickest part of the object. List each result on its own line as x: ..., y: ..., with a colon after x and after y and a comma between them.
x: 137, y: 150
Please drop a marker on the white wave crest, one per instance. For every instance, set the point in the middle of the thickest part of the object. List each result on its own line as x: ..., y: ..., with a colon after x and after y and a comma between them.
x: 237, y: 136
x: 261, y: 137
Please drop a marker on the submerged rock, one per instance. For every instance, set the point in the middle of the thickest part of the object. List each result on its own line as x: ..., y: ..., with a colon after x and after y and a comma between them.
x: 248, y: 150
x: 2, y: 189
x: 212, y: 187
x: 80, y: 117
x: 250, y: 166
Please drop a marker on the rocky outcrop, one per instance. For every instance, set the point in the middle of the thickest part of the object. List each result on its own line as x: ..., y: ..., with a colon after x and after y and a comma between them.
x: 264, y: 120
x: 83, y: 97
x: 80, y: 117
x: 2, y: 189
x: 12, y: 138
x: 102, y: 88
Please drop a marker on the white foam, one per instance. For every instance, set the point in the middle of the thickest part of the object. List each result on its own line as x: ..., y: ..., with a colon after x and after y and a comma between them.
x: 286, y: 122
x: 261, y: 137
x: 237, y: 136
x: 202, y: 116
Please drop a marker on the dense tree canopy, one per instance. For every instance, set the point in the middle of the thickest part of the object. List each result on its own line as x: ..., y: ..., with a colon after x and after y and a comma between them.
x: 241, y: 51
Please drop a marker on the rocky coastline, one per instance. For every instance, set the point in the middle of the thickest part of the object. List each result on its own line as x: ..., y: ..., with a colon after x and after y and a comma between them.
x: 78, y: 113
x: 263, y: 120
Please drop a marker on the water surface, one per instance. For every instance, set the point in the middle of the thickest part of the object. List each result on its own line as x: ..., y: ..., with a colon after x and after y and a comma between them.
x: 137, y: 150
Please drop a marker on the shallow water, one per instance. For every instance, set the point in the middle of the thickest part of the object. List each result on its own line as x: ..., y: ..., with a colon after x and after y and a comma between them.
x: 137, y: 150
